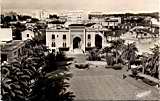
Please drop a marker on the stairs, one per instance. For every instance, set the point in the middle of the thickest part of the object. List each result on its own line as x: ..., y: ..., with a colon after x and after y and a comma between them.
x: 78, y: 51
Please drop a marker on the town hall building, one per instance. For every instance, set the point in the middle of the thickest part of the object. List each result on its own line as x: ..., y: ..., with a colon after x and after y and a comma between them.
x: 76, y: 36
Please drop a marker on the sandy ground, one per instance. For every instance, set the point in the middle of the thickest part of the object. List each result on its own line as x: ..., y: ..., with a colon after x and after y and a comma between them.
x: 98, y: 84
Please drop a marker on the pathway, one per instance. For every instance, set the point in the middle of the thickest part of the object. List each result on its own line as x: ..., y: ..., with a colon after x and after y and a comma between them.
x: 98, y: 83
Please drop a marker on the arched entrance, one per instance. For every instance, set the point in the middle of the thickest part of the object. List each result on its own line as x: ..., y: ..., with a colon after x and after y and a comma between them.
x: 76, y: 42
x: 98, y: 41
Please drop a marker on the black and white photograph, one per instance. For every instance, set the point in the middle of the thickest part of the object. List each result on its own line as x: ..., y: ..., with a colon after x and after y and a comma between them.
x: 80, y: 50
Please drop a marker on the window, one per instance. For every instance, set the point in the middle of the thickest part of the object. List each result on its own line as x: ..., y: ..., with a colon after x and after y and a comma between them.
x: 27, y: 35
x: 64, y: 36
x: 53, y: 36
x: 53, y: 44
x: 89, y: 44
x: 3, y: 57
x: 89, y: 36
x: 64, y: 44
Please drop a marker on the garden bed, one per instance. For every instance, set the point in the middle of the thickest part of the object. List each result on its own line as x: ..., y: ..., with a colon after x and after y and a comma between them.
x: 116, y: 66
x: 82, y: 65
x: 147, y: 81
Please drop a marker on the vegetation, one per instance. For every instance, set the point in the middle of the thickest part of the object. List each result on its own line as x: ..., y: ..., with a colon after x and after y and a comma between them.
x: 28, y: 78
x: 151, y: 63
x: 129, y: 54
x: 113, y: 52
x: 94, y: 55
x: 82, y: 66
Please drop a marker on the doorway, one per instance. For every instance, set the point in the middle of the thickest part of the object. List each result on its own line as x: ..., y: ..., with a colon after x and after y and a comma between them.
x: 98, y: 41
x: 76, y: 42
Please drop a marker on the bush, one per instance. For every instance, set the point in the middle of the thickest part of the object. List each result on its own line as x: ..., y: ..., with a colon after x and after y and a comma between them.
x: 115, y: 67
x: 94, y: 55
x: 82, y: 66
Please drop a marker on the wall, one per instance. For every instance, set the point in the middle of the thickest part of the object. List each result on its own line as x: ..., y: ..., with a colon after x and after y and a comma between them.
x: 6, y: 34
x: 77, y: 32
x: 58, y: 39
x: 92, y: 40
x: 24, y: 34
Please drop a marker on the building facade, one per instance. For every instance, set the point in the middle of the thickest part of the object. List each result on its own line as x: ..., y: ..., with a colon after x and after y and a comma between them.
x: 77, y: 36
x: 27, y: 34
x: 5, y: 34
x: 12, y: 50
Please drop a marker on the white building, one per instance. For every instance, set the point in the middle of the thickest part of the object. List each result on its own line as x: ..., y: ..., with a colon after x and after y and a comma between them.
x: 112, y: 22
x: 73, y: 17
x: 77, y: 36
x: 5, y: 34
x: 27, y: 34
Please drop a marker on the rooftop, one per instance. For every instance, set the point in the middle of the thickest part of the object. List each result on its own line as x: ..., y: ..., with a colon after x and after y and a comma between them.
x: 11, y: 45
x: 76, y: 25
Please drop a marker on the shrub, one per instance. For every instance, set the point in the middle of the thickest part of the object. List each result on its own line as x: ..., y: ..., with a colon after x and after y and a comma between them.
x: 82, y: 66
x: 94, y: 55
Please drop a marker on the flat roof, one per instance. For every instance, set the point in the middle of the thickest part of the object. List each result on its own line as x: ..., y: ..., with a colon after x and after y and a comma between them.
x: 76, y: 25
x: 11, y: 45
x: 57, y: 30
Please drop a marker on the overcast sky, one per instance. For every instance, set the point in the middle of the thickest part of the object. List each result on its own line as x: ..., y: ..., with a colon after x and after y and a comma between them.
x: 98, y: 5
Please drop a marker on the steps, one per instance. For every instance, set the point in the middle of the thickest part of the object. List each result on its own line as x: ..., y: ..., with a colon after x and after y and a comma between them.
x: 78, y: 51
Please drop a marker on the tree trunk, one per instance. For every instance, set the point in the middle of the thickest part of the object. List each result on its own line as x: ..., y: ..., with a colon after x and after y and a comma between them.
x: 129, y: 64
x: 159, y: 72
x: 137, y: 35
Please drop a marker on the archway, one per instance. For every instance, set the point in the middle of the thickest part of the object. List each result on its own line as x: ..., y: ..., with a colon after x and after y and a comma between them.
x: 76, y: 42
x: 98, y: 41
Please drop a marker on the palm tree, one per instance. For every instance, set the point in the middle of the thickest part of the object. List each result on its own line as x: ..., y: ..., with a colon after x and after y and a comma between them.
x: 21, y: 78
x: 152, y: 63
x: 52, y: 87
x: 129, y: 54
x: 116, y: 48
x: 16, y: 80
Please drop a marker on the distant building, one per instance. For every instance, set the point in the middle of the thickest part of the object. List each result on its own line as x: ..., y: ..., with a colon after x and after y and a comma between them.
x: 11, y: 50
x: 30, y: 25
x: 77, y: 36
x: 5, y: 34
x: 55, y: 24
x: 27, y: 34
x: 73, y: 17
x: 112, y: 22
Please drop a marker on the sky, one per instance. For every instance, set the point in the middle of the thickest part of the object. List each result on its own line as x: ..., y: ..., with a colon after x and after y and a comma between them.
x: 86, y: 5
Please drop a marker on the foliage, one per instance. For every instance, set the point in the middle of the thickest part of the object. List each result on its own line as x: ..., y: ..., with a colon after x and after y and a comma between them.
x: 151, y: 63
x: 16, y: 79
x: 23, y: 17
x: 28, y: 78
x: 113, y: 52
x: 94, y: 55
x: 52, y: 87
x: 82, y: 66
x: 130, y: 54
x: 17, y: 31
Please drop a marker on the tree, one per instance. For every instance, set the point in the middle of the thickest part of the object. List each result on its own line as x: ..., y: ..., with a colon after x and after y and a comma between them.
x: 129, y: 53
x: 94, y: 55
x: 116, y: 48
x: 27, y: 79
x: 52, y: 87
x: 16, y: 80
x: 17, y: 32
x: 151, y: 63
